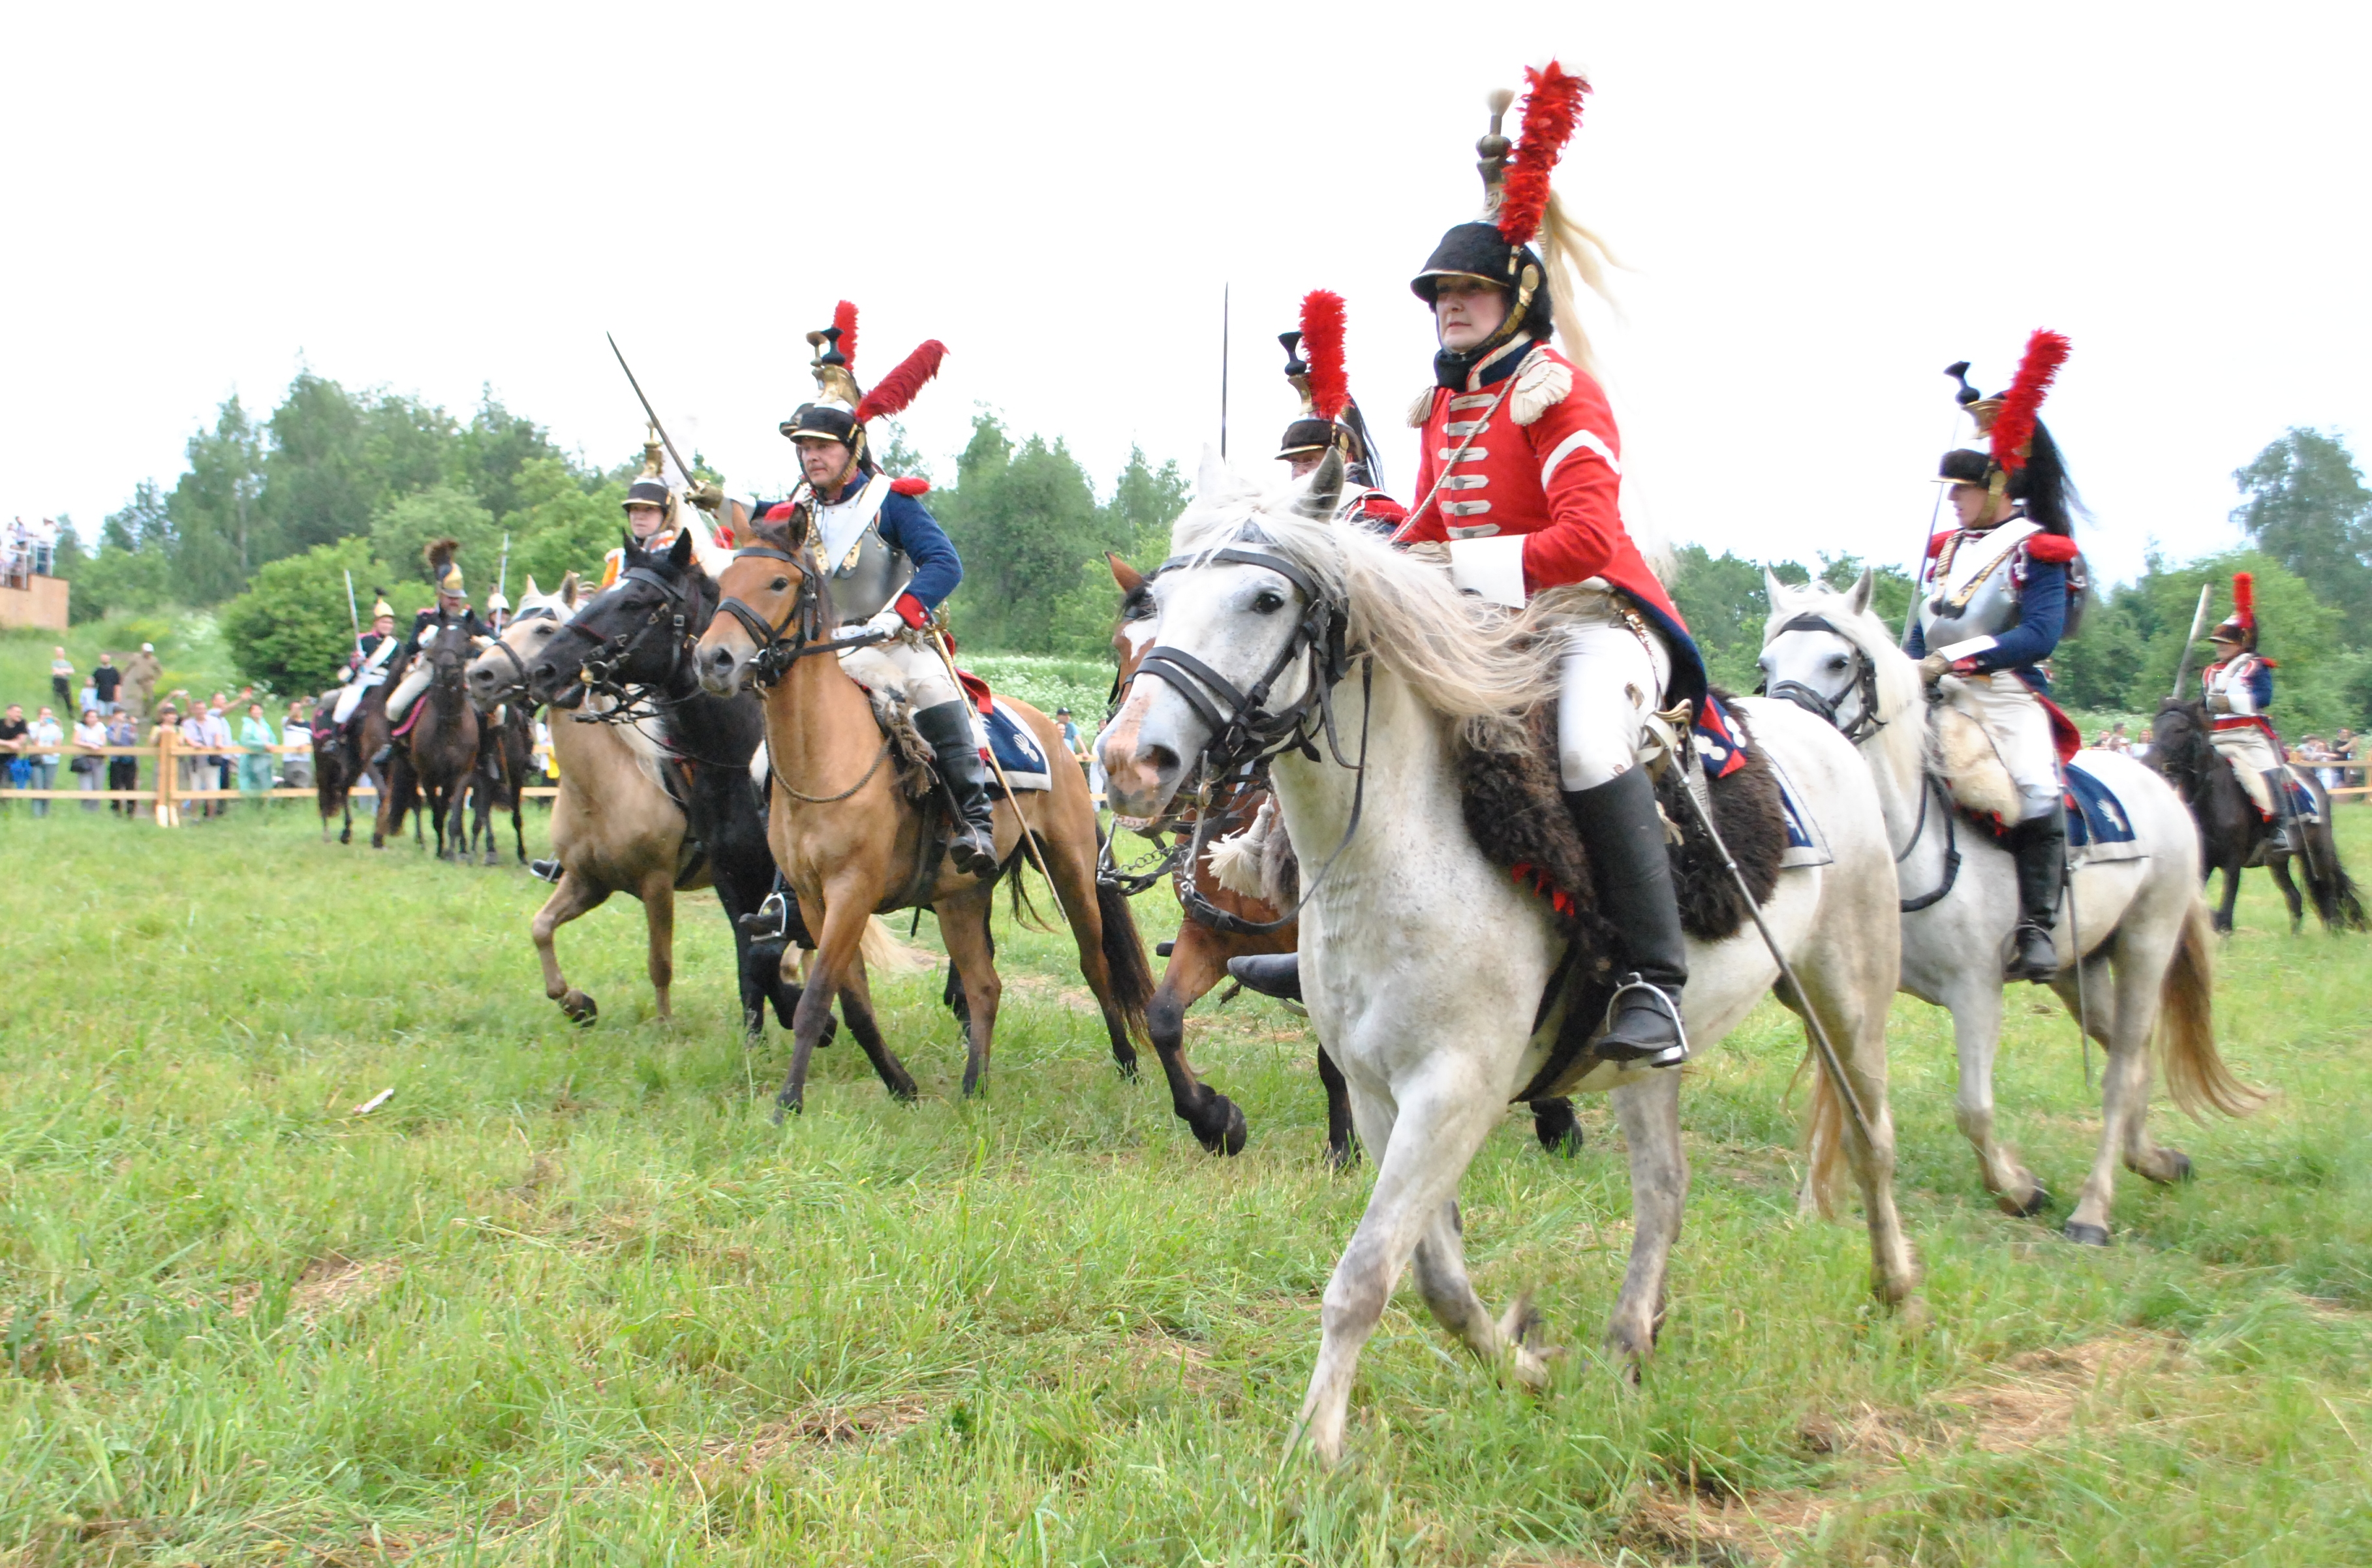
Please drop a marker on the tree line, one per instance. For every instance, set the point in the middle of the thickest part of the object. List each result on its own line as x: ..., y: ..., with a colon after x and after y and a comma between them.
x: 270, y: 515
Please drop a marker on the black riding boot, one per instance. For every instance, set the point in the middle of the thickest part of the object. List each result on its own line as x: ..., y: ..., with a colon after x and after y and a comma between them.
x: 948, y: 728
x: 380, y: 757
x: 1271, y: 974
x: 2278, y: 830
x: 2040, y: 847
x: 1624, y: 834
x: 545, y: 870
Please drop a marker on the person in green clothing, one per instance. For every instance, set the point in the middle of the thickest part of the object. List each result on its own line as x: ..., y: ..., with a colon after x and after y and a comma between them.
x: 256, y: 742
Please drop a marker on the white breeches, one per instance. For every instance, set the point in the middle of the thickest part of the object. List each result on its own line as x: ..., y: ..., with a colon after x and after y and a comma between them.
x: 1609, y: 678
x: 407, y: 692
x: 902, y: 666
x: 350, y: 697
x: 2253, y: 757
x: 2014, y: 721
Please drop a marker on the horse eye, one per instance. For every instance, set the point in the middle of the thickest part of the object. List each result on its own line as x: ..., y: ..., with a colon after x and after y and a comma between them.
x: 1268, y: 601
x: 1837, y: 664
x: 781, y: 583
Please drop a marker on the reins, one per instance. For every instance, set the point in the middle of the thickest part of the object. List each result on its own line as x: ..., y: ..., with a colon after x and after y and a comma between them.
x: 777, y: 653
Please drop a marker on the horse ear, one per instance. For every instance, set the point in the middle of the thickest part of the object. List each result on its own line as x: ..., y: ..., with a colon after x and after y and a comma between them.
x: 1324, y: 488
x: 1212, y: 480
x: 1859, y: 600
x: 530, y: 588
x: 1129, y: 578
x: 679, y: 554
x: 570, y: 587
x: 1773, y: 589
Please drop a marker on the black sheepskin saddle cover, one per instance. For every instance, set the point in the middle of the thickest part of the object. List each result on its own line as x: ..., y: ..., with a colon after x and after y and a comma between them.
x: 1515, y: 807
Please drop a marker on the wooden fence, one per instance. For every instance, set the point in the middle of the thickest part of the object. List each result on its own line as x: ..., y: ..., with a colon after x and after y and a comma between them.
x: 167, y: 795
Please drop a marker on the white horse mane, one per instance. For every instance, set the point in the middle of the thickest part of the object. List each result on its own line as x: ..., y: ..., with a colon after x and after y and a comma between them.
x: 1466, y: 658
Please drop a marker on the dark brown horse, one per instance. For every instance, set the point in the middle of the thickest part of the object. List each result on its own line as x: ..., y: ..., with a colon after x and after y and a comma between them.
x: 1220, y: 924
x: 2233, y: 835
x: 437, y: 756
x: 505, y: 759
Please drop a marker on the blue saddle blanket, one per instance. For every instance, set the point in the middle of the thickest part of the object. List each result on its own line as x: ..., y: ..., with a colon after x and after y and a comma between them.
x: 1721, y: 747
x: 2096, y: 821
x: 2302, y: 805
x: 1016, y: 750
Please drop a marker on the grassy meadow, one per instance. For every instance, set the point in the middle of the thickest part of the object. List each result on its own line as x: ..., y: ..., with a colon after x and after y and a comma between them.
x: 566, y: 1295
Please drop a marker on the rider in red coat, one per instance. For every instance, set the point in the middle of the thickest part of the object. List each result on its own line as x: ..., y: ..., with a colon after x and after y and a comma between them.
x: 1331, y: 416
x: 1521, y: 476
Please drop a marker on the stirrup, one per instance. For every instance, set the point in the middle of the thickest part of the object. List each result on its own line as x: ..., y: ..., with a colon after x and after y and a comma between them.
x: 770, y: 920
x: 1629, y: 1056
x: 2019, y: 968
x: 972, y: 848
x: 545, y: 870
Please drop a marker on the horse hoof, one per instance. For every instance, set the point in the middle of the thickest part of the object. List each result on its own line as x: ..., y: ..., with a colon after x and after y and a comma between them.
x: 347, y: 837
x: 1559, y: 1133
x: 1221, y: 1131
x: 2086, y: 1235
x: 1127, y: 1065
x: 2035, y: 1202
x: 784, y: 1105
x: 1342, y: 1156
x: 580, y: 1009
x: 2176, y: 1166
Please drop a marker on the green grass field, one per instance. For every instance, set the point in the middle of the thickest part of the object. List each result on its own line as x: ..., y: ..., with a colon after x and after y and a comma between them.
x: 568, y: 1297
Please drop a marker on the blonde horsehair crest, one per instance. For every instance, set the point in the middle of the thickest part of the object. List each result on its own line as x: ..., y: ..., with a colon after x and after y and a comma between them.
x: 1575, y: 259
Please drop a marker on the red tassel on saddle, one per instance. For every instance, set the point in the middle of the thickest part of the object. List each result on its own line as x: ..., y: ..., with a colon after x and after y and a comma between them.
x: 1551, y: 112
x: 2013, y: 430
x: 890, y: 395
x: 1322, y: 346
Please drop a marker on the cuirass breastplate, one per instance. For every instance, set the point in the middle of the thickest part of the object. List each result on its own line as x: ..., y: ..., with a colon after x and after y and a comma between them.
x: 863, y: 588
x: 1954, y: 611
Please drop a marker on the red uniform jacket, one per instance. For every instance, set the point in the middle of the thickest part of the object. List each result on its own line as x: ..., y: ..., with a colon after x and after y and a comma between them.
x: 1546, y: 464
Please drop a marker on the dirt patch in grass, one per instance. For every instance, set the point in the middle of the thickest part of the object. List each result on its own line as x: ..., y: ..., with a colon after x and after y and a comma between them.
x: 335, y: 1285
x: 814, y: 1427
x: 1737, y: 1531
x: 2034, y: 1397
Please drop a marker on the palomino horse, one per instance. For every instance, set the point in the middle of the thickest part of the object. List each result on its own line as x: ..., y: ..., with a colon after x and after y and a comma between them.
x: 850, y: 842
x: 2232, y: 836
x: 440, y: 750
x: 1222, y: 922
x: 632, y: 644
x: 2146, y: 961
x: 1423, y: 962
x: 614, y: 826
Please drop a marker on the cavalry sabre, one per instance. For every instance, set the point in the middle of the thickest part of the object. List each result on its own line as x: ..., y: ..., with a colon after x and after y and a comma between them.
x: 353, y: 613
x: 682, y: 467
x: 2198, y: 627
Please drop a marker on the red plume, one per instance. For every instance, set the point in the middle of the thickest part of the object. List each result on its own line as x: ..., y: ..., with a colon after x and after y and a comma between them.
x: 2046, y: 350
x: 894, y: 391
x: 1551, y: 112
x: 843, y: 316
x: 2244, y: 599
x: 1321, y: 346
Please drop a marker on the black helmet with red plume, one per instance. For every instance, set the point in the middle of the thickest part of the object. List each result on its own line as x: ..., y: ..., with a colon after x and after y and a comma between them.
x: 2019, y: 460
x: 1314, y: 363
x: 2239, y: 627
x: 841, y: 407
x: 1519, y: 206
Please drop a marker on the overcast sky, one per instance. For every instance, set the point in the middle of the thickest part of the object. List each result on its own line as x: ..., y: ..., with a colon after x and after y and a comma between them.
x: 1821, y: 204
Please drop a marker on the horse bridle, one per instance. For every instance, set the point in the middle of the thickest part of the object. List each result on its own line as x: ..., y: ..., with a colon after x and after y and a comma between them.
x: 519, y: 665
x: 1810, y: 699
x: 1865, y: 725
x: 602, y: 670
x: 1244, y: 734
x: 777, y: 653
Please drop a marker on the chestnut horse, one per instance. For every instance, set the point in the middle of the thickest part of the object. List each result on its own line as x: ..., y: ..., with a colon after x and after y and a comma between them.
x: 850, y: 842
x: 1220, y: 923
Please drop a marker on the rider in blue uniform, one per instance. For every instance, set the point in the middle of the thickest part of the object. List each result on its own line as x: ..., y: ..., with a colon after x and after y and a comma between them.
x: 1994, y: 605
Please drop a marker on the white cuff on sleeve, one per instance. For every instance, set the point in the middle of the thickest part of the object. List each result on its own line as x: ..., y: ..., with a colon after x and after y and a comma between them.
x: 1493, y: 567
x: 1969, y: 648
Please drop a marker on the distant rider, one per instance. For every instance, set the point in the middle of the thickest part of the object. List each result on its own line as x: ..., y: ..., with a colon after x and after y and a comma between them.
x: 2238, y: 686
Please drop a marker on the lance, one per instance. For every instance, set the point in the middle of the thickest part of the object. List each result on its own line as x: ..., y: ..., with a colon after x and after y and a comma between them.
x: 503, y: 578
x: 2198, y: 626
x: 682, y: 467
x: 1224, y: 291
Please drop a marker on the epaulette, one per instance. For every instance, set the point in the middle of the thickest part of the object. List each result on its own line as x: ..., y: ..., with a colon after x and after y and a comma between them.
x: 2055, y: 549
x: 910, y: 485
x: 1421, y: 410
x: 1543, y: 382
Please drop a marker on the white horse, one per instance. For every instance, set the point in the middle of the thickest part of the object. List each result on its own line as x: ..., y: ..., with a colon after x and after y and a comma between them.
x: 1422, y: 961
x: 2145, y: 934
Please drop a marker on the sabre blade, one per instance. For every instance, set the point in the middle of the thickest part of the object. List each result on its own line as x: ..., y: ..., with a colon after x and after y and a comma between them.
x: 2198, y: 626
x: 682, y: 467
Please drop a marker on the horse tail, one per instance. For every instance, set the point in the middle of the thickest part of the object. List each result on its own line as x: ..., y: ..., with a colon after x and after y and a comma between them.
x: 1824, y: 1134
x: 884, y: 954
x: 1124, y: 960
x: 2195, y: 1074
x: 2336, y: 898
